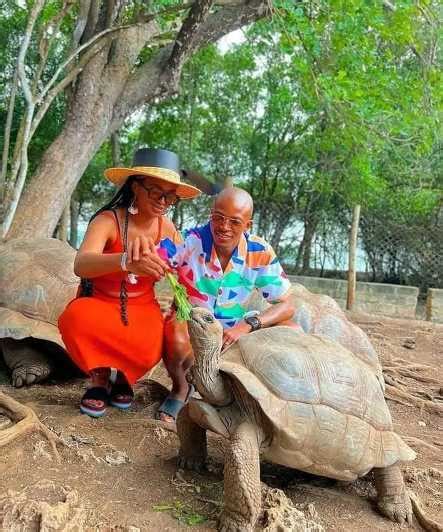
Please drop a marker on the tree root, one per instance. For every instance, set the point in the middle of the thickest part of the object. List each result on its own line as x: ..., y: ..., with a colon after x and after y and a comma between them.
x: 404, y: 392
x: 394, y: 393
x: 25, y: 422
x: 411, y: 440
x: 409, y: 372
x: 425, y: 522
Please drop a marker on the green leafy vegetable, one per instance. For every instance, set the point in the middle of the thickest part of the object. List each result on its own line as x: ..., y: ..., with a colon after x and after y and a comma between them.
x: 180, y: 298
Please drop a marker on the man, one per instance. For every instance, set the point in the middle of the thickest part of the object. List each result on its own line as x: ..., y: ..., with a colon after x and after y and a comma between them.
x: 221, y: 265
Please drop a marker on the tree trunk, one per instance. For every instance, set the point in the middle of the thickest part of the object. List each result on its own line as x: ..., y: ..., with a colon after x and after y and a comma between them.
x: 116, y: 149
x: 86, y: 128
x: 73, y: 233
x: 306, y: 244
x: 110, y: 87
x: 64, y: 223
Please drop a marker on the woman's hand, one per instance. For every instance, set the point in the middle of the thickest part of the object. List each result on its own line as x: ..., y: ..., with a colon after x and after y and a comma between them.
x: 143, y: 258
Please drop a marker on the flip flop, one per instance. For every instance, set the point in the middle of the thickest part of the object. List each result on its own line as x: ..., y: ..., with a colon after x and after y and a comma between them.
x: 121, y: 388
x: 171, y: 407
x: 97, y: 393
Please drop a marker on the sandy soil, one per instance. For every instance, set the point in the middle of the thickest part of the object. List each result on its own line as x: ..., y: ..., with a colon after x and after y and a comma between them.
x: 118, y: 473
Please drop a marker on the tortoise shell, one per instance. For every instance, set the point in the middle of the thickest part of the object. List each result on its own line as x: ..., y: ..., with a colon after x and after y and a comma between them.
x: 325, y: 405
x: 37, y: 283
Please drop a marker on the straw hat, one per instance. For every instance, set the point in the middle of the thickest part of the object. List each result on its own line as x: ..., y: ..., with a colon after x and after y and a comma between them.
x: 161, y: 164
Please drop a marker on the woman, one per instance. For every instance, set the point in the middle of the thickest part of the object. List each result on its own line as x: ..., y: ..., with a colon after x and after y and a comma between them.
x: 113, y: 330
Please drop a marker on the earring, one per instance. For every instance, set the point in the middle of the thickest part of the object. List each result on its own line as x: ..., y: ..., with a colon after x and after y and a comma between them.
x: 132, y: 209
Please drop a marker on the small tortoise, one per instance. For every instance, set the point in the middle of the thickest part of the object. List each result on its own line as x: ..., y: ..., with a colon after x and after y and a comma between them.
x: 37, y: 282
x: 295, y: 399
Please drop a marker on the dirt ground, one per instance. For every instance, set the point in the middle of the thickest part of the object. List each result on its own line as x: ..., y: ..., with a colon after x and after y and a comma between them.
x: 118, y: 473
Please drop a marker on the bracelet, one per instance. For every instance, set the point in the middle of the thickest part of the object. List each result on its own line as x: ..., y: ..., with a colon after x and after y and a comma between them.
x: 123, y: 260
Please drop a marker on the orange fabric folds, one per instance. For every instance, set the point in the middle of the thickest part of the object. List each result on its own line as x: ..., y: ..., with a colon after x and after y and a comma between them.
x: 95, y: 336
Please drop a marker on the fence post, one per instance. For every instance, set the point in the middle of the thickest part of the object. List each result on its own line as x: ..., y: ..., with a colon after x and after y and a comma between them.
x: 352, y: 276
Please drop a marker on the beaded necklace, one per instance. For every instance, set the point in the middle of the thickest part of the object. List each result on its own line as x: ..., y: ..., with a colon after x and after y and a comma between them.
x: 123, y: 289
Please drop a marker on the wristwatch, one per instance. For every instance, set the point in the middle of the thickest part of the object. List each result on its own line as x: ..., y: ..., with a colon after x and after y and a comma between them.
x: 254, y: 322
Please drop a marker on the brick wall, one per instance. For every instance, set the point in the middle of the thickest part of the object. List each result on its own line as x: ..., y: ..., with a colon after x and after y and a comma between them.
x: 374, y: 298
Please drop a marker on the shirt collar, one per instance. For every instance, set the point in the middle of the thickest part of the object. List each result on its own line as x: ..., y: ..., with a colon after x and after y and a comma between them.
x: 238, y: 255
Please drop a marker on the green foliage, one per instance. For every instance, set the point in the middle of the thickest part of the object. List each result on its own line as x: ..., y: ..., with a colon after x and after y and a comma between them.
x: 182, y: 512
x: 328, y: 104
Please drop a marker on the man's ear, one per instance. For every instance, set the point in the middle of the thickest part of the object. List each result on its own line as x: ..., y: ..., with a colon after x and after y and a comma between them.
x: 249, y: 226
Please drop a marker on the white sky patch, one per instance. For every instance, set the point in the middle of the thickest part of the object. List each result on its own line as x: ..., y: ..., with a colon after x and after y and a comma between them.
x: 21, y: 3
x: 230, y: 40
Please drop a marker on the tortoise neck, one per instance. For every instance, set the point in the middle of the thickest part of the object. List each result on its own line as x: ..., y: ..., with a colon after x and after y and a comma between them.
x: 206, y: 374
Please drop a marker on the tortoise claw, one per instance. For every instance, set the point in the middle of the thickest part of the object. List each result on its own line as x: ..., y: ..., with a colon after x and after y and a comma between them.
x: 397, y: 509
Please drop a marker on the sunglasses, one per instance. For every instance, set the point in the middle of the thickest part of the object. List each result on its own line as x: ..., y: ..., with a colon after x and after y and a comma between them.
x: 157, y: 194
x: 219, y: 219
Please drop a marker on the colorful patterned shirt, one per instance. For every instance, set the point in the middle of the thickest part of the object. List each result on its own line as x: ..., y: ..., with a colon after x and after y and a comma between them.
x: 253, y: 266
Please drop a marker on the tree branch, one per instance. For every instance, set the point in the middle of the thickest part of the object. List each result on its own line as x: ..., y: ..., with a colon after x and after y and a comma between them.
x: 74, y: 54
x: 45, y: 43
x: 80, y: 25
x: 101, y: 35
x: 150, y: 81
x: 231, y: 18
x: 186, y: 39
x: 55, y: 91
x: 38, y: 6
x: 91, y: 21
x: 7, y: 134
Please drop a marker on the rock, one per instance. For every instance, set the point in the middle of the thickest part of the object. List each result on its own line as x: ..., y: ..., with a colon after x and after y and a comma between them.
x: 280, y: 514
x: 43, y: 506
x: 117, y: 458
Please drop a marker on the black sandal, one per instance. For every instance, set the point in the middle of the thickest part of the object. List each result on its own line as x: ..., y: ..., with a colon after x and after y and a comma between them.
x: 124, y: 389
x: 96, y: 393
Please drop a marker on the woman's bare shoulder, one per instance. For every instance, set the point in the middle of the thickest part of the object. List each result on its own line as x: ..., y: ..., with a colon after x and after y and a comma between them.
x: 104, y: 224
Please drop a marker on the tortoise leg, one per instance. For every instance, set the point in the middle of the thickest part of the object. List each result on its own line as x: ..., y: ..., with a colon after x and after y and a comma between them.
x: 393, y: 499
x: 193, y: 446
x: 242, y: 493
x: 28, y: 365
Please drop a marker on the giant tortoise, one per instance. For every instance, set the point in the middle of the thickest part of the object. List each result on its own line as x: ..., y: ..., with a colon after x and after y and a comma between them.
x: 295, y: 399
x: 37, y: 281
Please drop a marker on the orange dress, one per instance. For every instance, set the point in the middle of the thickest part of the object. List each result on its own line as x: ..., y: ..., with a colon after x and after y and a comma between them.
x: 93, y: 332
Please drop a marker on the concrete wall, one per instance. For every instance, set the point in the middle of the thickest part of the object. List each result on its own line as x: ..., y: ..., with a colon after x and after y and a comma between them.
x: 374, y: 298
x: 434, y: 305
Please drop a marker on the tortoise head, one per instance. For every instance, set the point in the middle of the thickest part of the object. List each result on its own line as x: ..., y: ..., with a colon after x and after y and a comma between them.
x: 206, y: 335
x: 205, y: 331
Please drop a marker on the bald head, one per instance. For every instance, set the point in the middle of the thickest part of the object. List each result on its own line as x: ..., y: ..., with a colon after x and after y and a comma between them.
x: 237, y: 199
x: 230, y: 218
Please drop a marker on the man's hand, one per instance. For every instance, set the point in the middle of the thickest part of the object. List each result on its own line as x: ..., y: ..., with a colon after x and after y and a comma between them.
x: 143, y: 258
x: 232, y: 335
